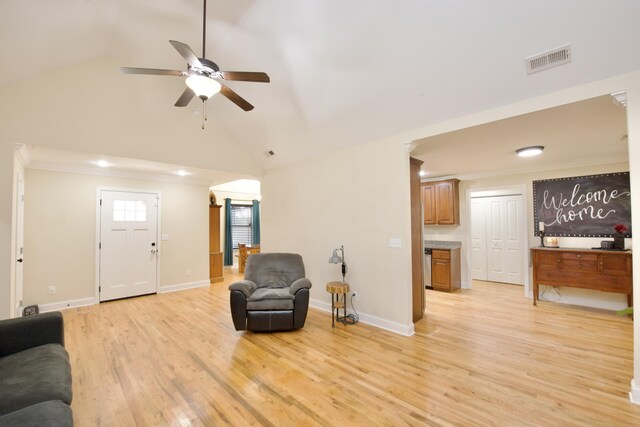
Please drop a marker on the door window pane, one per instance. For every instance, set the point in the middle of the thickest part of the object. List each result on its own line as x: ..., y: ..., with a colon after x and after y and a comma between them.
x: 129, y: 210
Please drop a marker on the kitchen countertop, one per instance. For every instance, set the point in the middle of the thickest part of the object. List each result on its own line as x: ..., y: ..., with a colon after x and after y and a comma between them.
x: 441, y: 244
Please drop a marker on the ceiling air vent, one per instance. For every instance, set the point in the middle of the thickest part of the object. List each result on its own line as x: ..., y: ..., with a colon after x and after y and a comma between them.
x: 549, y: 59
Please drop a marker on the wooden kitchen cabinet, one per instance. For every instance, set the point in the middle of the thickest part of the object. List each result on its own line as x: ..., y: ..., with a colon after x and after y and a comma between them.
x: 441, y: 202
x: 445, y: 269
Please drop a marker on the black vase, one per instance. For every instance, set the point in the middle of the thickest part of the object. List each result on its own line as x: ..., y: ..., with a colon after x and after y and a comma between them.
x: 618, y: 242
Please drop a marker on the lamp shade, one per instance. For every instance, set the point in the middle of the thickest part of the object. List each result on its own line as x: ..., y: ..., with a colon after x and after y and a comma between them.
x: 204, y: 87
x: 335, y: 259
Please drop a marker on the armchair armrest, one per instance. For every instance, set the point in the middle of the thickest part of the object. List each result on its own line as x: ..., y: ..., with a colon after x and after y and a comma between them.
x: 299, y: 284
x: 23, y: 333
x: 247, y: 287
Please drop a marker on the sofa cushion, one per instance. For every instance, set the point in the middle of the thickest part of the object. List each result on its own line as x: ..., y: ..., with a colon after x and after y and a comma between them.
x: 35, y: 375
x: 270, y: 299
x: 53, y: 413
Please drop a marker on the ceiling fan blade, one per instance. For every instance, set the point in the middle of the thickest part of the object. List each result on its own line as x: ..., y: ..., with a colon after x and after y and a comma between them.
x: 185, y: 98
x: 235, y: 98
x: 246, y: 76
x: 187, y: 53
x: 152, y: 71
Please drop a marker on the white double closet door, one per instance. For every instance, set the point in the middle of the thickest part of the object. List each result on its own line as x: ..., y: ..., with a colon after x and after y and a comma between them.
x: 128, y: 244
x: 497, y: 239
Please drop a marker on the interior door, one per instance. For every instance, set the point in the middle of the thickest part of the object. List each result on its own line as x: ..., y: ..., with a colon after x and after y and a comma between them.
x: 128, y: 244
x: 19, y: 245
x: 478, y: 239
x: 513, y: 265
x: 495, y: 237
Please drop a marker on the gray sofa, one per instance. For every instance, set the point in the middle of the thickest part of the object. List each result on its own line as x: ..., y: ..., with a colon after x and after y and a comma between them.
x: 35, y: 374
x: 274, y: 295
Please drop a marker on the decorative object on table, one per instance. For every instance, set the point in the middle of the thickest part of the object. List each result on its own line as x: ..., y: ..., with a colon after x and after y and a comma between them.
x: 30, y: 310
x: 274, y: 295
x: 550, y: 242
x: 541, y: 231
x: 337, y: 289
x: 618, y: 238
x: 339, y: 259
x: 212, y: 199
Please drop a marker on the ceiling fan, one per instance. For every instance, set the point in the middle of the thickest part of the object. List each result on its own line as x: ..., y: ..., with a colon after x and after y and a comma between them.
x: 203, y: 76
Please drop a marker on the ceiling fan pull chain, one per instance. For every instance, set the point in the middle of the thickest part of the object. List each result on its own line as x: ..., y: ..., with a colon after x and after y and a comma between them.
x: 204, y: 113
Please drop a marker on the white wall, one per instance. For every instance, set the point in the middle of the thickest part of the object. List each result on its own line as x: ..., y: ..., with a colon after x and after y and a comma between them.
x: 60, y: 233
x: 359, y: 198
x: 462, y: 232
x: 6, y: 217
x: 78, y: 109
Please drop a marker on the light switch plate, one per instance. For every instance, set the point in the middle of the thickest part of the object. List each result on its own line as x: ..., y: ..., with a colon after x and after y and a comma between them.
x: 165, y: 237
x: 395, y: 243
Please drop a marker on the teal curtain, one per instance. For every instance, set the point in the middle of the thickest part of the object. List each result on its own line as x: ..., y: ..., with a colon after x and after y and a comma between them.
x: 255, y: 225
x: 228, y: 240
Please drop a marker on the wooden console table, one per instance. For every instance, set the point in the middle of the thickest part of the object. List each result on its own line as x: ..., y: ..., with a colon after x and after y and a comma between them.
x: 600, y: 270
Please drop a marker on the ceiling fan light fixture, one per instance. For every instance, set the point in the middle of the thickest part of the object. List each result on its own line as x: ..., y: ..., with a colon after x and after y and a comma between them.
x: 204, y: 87
x: 529, y: 151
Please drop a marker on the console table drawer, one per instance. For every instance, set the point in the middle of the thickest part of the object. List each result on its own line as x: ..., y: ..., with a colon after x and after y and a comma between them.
x: 584, y: 280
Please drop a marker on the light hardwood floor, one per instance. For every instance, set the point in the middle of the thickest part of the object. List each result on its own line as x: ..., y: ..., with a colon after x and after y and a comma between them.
x: 480, y: 357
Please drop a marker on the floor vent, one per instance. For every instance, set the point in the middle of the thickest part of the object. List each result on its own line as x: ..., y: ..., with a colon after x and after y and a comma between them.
x: 549, y: 59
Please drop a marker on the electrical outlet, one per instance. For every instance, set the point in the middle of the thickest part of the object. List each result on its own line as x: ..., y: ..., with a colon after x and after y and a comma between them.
x: 354, y: 294
x: 52, y: 290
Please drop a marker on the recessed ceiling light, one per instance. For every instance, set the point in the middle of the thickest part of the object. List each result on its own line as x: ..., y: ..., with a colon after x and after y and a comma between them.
x: 529, y: 151
x: 422, y: 173
x: 102, y: 163
x: 181, y: 173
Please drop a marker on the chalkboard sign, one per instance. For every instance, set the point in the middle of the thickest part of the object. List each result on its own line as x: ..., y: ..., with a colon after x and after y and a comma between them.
x: 583, y: 206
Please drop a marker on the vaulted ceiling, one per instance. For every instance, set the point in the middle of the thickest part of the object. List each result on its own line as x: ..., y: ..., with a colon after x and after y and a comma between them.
x: 342, y: 72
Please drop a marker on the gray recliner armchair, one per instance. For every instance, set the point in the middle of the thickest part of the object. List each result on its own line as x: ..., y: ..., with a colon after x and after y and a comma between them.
x: 274, y: 295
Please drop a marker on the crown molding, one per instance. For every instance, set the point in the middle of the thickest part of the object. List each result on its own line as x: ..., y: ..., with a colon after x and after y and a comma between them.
x: 22, y: 153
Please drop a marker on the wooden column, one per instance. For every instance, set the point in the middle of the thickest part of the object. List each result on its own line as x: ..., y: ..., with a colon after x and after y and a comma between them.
x: 417, y: 250
x: 215, y: 255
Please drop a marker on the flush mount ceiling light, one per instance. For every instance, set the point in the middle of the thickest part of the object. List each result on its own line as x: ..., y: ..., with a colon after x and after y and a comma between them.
x: 422, y: 173
x: 529, y: 151
x: 102, y: 163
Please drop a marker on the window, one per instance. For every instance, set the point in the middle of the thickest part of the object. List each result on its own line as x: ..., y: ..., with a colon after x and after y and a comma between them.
x: 241, y: 223
x: 129, y: 210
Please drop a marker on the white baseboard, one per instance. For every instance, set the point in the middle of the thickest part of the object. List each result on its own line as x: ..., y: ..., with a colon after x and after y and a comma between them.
x: 56, y: 306
x: 406, y: 330
x: 183, y: 286
x: 634, y: 394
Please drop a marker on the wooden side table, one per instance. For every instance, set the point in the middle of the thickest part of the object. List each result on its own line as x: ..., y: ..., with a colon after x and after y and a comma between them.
x: 336, y: 289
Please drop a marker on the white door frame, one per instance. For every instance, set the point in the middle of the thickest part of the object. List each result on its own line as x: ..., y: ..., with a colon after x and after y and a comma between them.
x: 99, y: 191
x: 507, y: 190
x: 18, y: 280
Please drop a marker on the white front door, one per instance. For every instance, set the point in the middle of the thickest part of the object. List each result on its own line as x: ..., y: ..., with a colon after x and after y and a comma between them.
x: 128, y: 244
x: 19, y: 245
